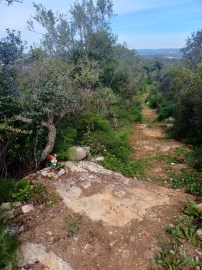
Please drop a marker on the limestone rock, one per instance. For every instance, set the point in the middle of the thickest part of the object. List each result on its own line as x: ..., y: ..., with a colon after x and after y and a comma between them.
x: 44, y: 172
x: 199, y: 233
x: 77, y: 153
x: 61, y: 172
x: 199, y: 206
x: 36, y: 252
x: 99, y: 159
x: 27, y: 208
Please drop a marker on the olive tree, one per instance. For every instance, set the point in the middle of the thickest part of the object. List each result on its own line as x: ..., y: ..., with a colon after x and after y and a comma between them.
x: 192, y: 52
x: 46, y: 95
x: 11, y: 47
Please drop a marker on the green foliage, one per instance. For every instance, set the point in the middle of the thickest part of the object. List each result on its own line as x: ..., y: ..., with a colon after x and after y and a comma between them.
x: 66, y: 138
x: 11, y: 47
x: 187, y: 224
x: 173, y: 257
x: 7, y: 187
x: 195, y: 159
x: 8, y: 245
x: 190, y: 180
x: 132, y: 168
x: 22, y: 191
x: 172, y: 254
x: 73, y: 222
x: 166, y: 110
x: 192, y: 52
x: 154, y: 99
x: 184, y: 229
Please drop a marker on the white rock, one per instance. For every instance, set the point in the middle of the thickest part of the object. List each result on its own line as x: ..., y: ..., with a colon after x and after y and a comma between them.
x: 61, y: 172
x: 44, y: 173
x: 199, y: 233
x: 77, y: 153
x: 27, y: 208
x: 199, y: 206
x: 99, y: 158
x: 36, y: 252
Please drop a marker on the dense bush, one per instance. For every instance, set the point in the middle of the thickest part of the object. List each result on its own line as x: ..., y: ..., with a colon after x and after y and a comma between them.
x: 166, y: 110
x: 154, y: 100
x: 195, y: 158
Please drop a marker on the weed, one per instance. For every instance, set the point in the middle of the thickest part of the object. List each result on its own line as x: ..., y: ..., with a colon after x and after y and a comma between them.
x: 166, y: 158
x: 185, y: 229
x: 173, y: 257
x: 195, y: 159
x: 22, y: 190
x: 132, y: 168
x: 187, y: 224
x: 192, y: 210
x: 181, y: 152
x: 73, y: 222
x: 192, y: 181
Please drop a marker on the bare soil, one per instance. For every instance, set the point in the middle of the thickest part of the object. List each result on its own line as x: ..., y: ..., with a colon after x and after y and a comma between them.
x: 150, y: 143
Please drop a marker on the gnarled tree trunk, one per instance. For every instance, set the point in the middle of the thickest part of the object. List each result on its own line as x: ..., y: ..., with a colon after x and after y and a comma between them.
x: 51, y: 139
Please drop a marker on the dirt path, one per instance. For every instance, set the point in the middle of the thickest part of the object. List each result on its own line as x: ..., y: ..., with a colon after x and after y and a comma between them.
x: 104, y: 220
x: 159, y: 153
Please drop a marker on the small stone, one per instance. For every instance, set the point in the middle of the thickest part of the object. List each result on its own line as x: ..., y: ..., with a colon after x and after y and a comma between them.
x: 99, y: 158
x: 112, y: 243
x: 199, y: 233
x: 172, y: 163
x: 49, y: 233
x: 44, y: 173
x: 199, y: 206
x: 61, y: 172
x: 70, y: 234
x: 27, y: 208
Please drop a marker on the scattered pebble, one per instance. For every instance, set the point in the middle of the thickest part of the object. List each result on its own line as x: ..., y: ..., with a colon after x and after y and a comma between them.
x: 27, y: 208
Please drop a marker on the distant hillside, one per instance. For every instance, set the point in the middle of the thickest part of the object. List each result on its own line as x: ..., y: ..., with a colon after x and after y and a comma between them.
x: 165, y: 53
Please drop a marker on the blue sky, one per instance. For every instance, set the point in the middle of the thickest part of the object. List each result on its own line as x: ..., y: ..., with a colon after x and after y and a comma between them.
x: 140, y: 23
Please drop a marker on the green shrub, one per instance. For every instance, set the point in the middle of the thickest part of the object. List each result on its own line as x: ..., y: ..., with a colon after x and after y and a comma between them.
x: 7, y: 187
x: 166, y: 110
x: 195, y: 158
x: 154, y: 100
x: 8, y: 245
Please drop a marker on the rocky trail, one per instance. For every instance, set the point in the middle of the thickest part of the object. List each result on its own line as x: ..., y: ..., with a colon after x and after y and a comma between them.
x: 103, y: 220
